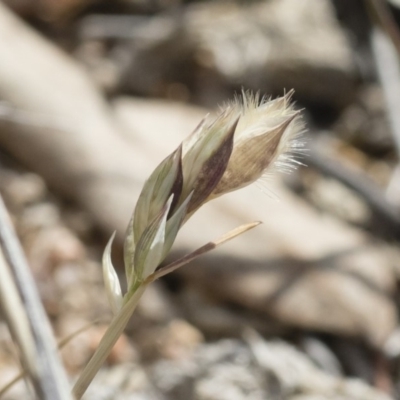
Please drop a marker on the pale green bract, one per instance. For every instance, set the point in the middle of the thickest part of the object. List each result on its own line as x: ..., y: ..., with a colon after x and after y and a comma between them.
x: 113, y: 287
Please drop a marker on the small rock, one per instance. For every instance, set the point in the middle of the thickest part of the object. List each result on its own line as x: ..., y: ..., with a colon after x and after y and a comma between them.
x: 276, y: 44
x: 22, y: 189
x: 179, y: 339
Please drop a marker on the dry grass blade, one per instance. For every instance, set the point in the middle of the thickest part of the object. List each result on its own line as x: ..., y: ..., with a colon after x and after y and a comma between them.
x: 15, y: 315
x: 30, y: 326
x: 10, y: 384
x: 202, y: 250
x: 381, y: 14
x: 385, y: 45
x: 63, y: 342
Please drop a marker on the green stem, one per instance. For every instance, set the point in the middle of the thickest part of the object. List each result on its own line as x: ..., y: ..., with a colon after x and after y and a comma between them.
x: 107, y: 342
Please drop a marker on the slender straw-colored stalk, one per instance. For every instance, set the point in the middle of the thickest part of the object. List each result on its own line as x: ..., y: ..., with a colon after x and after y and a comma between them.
x: 64, y: 341
x: 120, y: 320
x: 29, y: 323
x: 17, y: 320
x: 108, y: 341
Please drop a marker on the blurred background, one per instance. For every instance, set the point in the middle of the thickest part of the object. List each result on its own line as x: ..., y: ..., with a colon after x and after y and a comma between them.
x: 95, y: 93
